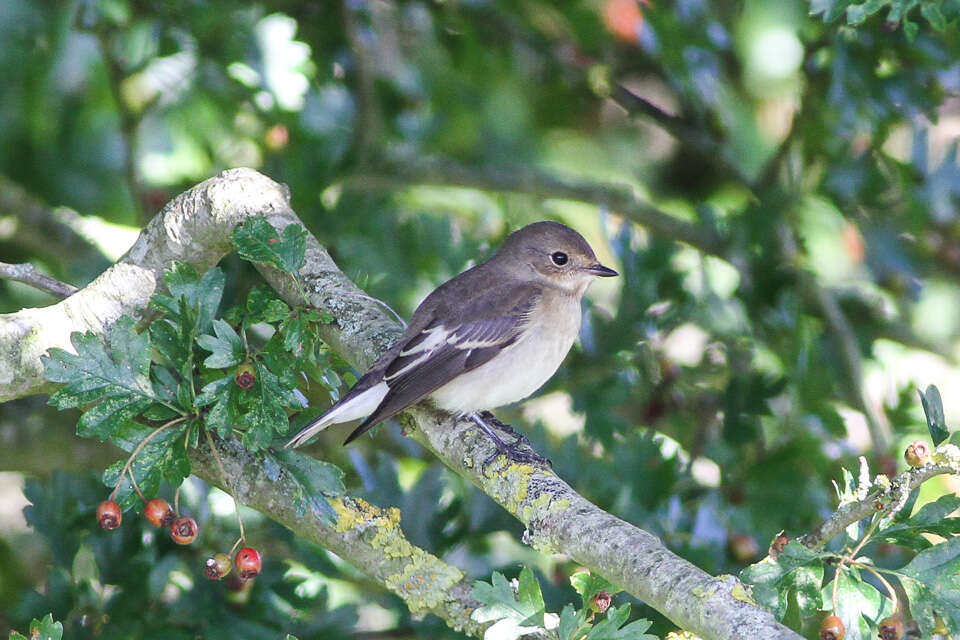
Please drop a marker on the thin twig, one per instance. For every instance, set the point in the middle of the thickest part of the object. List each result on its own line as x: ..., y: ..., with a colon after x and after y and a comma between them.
x: 140, y: 446
x: 28, y: 274
x: 900, y: 486
x: 894, y: 602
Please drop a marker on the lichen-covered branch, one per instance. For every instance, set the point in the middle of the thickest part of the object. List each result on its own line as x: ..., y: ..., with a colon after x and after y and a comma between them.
x: 368, y: 537
x: 946, y: 459
x: 195, y: 227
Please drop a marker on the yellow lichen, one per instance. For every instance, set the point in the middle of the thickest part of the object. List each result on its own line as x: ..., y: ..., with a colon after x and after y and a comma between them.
x: 353, y: 513
x: 742, y: 594
x: 424, y: 581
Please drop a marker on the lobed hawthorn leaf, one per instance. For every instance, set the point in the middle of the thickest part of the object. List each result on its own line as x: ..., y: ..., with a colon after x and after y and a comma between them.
x: 525, y: 608
x: 612, y: 627
x: 795, y: 576
x: 202, y: 294
x: 223, y: 393
x: 264, y: 306
x: 256, y: 240
x: 162, y: 458
x: 933, y: 410
x: 115, y: 376
x: 932, y: 583
x: 227, y: 348
x: 45, y: 629
x: 262, y: 409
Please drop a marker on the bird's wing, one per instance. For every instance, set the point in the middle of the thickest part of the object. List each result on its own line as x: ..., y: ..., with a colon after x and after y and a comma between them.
x: 441, y: 352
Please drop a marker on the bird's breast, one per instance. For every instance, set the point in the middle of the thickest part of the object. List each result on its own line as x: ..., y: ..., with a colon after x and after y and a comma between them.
x: 520, y: 369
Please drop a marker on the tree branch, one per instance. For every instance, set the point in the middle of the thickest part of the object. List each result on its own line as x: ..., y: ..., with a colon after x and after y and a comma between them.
x: 619, y: 198
x: 27, y: 274
x: 55, y: 233
x: 196, y: 227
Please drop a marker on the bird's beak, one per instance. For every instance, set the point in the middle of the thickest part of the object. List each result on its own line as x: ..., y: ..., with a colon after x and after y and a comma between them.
x: 600, y: 270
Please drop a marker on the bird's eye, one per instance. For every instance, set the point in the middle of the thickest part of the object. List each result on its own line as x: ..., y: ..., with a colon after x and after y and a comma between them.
x: 559, y: 258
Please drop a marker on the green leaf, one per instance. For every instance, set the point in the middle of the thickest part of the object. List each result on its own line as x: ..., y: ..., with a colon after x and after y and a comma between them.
x: 796, y: 574
x: 612, y: 627
x: 257, y: 241
x: 45, y: 629
x: 588, y: 585
x: 523, y: 608
x: 857, y: 602
x: 932, y: 583
x: 115, y: 375
x: 315, y: 478
x: 932, y: 13
x: 933, y: 409
x: 572, y: 623
x: 264, y: 306
x: 203, y: 295
x: 227, y: 347
x: 930, y: 518
x: 263, y: 411
x: 224, y: 394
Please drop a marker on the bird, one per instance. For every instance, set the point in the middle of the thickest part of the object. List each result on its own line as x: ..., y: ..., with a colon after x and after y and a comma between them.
x: 488, y: 337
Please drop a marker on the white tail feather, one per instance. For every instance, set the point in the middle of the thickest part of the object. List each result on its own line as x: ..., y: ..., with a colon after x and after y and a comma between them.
x: 357, y: 407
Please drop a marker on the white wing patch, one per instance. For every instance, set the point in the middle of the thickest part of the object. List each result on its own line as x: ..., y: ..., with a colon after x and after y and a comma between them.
x: 438, y: 336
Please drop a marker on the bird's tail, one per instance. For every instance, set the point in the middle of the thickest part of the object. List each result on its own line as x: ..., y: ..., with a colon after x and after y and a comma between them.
x: 350, y: 407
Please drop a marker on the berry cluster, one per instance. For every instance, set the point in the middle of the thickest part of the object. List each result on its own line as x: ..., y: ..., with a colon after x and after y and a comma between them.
x: 158, y: 512
x: 890, y: 628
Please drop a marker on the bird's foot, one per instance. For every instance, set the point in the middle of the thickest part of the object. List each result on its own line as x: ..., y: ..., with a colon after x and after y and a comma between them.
x: 493, y: 421
x: 513, y: 451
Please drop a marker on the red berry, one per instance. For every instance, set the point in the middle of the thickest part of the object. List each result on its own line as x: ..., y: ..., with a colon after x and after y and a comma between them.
x: 218, y: 566
x: 248, y: 562
x: 183, y: 530
x: 832, y: 628
x: 245, y: 376
x: 271, y: 241
x: 600, y: 602
x: 917, y: 453
x: 891, y: 628
x: 109, y: 515
x: 158, y: 512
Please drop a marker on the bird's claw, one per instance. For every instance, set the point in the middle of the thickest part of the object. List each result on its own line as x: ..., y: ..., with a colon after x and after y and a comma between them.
x: 513, y: 451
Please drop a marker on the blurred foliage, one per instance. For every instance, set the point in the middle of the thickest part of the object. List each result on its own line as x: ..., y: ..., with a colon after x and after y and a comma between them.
x: 715, y: 394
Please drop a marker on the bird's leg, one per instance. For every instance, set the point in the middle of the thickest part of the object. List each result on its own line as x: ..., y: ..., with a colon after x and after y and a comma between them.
x: 492, y: 420
x: 511, y: 451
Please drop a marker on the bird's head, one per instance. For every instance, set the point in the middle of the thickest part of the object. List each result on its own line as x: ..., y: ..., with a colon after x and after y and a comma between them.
x: 554, y: 255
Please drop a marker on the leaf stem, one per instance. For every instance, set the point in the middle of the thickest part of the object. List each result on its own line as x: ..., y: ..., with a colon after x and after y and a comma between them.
x: 894, y: 602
